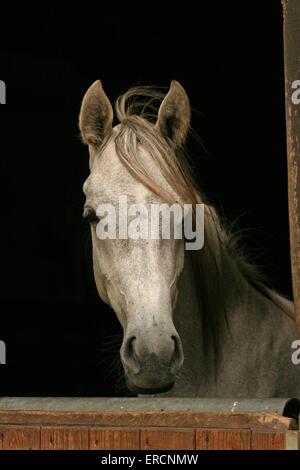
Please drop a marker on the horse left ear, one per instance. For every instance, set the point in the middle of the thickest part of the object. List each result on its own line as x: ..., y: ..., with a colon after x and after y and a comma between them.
x: 174, y: 114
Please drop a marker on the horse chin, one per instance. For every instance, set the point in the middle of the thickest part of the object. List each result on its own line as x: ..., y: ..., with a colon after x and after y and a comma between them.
x: 148, y: 390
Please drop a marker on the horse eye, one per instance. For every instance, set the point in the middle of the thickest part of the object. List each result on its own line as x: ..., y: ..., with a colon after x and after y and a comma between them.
x: 90, y: 216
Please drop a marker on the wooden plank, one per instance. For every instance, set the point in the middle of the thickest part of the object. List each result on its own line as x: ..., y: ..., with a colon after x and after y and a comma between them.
x: 291, y: 10
x: 201, y: 439
x: 114, y: 439
x: 223, y: 440
x: 259, y: 421
x: 268, y: 441
x: 167, y: 439
x: 64, y: 438
x: 292, y: 440
x: 20, y: 438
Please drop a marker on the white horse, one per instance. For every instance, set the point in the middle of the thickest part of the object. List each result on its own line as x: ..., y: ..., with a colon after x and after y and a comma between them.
x: 195, y: 323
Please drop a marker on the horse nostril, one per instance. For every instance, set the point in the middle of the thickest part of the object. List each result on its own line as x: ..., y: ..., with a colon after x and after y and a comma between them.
x: 130, y: 349
x: 128, y: 355
x: 177, y: 357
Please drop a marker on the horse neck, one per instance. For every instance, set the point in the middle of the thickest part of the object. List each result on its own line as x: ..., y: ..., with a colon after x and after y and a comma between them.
x: 218, y: 317
x: 201, y: 320
x: 188, y: 320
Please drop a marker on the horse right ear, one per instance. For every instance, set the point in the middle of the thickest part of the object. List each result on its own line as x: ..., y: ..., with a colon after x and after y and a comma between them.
x: 96, y: 115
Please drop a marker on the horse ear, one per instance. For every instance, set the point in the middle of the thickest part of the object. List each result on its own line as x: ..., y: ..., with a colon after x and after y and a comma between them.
x: 174, y: 114
x: 96, y: 115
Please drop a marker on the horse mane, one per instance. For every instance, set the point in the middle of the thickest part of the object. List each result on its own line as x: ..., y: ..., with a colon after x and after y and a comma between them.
x: 137, y: 112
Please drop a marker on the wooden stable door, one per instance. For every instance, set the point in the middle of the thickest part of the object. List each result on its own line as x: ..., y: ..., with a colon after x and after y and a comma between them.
x: 43, y: 428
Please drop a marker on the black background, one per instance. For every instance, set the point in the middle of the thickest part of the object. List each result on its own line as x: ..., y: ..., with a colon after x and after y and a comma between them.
x: 61, y: 339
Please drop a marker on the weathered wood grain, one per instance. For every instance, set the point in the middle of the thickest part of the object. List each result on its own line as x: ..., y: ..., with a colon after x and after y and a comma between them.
x: 291, y: 10
x: 259, y: 421
x: 167, y: 439
x: 64, y: 438
x: 113, y: 439
x: 155, y: 438
x: 223, y: 439
x: 20, y: 438
x: 268, y: 441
